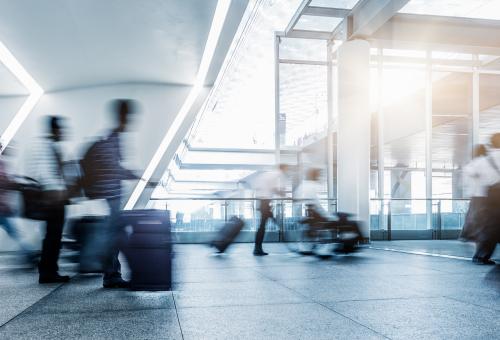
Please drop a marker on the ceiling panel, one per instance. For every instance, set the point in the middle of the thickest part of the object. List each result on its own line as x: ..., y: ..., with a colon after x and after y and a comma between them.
x: 65, y: 44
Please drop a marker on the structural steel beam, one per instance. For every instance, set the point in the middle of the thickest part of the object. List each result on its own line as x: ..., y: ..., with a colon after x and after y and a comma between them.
x: 304, y: 34
x: 326, y: 12
x: 408, y: 31
x: 368, y: 16
x: 296, y: 16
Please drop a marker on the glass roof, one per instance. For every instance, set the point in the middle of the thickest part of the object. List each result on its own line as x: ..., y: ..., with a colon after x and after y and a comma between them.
x: 317, y: 23
x: 480, y: 9
x: 240, y: 112
x: 348, y: 4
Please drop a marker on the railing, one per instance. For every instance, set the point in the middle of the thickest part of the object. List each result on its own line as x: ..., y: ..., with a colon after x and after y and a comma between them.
x: 199, y: 215
x: 208, y: 214
x: 438, y: 215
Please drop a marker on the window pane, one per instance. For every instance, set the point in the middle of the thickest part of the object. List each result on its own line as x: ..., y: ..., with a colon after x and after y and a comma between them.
x: 315, y: 23
x: 333, y: 3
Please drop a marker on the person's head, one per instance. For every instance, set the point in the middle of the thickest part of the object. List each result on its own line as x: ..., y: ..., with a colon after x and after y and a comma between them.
x: 495, y: 140
x: 480, y: 150
x: 122, y: 110
x: 283, y: 168
x: 313, y: 174
x: 55, y: 127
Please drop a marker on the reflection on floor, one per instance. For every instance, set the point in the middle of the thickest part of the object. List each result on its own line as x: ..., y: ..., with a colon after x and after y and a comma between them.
x: 371, y: 294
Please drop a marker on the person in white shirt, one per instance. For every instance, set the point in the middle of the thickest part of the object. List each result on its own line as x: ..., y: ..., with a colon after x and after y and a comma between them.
x: 307, y: 193
x: 266, y: 187
x: 484, y: 220
x: 475, y: 188
x: 46, y: 166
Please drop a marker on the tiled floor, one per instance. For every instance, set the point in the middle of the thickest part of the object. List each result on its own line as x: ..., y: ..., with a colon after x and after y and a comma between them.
x: 371, y: 294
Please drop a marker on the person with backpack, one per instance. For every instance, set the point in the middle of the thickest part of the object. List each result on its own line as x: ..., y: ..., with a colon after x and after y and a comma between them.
x: 46, y: 166
x: 101, y: 179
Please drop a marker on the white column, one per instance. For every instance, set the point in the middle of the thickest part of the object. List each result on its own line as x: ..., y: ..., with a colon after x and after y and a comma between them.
x: 330, y: 146
x: 475, y: 105
x: 353, y: 144
x: 380, y: 137
x: 277, y: 146
x: 428, y: 139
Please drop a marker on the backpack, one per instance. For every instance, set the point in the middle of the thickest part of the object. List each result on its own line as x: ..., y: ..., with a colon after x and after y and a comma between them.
x: 88, y: 169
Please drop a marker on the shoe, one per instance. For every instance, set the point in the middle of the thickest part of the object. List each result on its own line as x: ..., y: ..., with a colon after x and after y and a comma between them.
x: 116, y: 283
x: 56, y: 278
x: 480, y: 260
x: 259, y: 253
x: 488, y: 262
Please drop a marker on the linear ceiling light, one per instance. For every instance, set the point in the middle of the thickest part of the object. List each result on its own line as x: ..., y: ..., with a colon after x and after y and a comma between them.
x: 213, y: 37
x: 31, y: 85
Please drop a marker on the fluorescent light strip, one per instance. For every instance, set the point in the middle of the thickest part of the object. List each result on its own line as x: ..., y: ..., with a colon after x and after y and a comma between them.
x: 34, y: 89
x: 213, y: 37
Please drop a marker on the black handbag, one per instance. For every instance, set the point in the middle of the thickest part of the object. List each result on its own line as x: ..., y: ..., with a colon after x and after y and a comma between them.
x: 34, y: 205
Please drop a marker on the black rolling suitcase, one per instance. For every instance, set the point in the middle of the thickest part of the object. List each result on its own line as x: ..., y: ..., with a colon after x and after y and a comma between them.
x: 149, y: 249
x: 228, y: 233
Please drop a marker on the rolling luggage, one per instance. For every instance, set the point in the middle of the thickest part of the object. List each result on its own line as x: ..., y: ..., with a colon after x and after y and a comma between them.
x: 89, y: 232
x: 228, y: 233
x: 149, y: 249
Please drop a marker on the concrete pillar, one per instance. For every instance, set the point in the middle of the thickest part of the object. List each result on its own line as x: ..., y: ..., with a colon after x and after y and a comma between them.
x: 353, y: 145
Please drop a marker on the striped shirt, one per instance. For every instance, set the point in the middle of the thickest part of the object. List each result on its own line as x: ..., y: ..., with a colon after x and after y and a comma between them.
x: 108, y: 170
x: 44, y: 165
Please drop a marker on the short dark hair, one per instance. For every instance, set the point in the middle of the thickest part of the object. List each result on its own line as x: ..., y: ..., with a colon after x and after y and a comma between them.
x: 123, y: 107
x: 54, y: 123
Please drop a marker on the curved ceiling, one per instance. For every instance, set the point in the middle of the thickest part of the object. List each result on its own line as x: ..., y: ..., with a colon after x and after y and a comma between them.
x: 10, y: 85
x: 67, y: 44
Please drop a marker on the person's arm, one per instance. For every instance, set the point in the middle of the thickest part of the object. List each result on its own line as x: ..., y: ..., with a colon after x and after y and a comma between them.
x: 125, y: 174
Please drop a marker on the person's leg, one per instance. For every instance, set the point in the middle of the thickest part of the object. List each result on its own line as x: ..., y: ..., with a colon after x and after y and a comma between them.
x: 13, y: 233
x: 51, y: 246
x: 112, y: 266
x: 265, y: 214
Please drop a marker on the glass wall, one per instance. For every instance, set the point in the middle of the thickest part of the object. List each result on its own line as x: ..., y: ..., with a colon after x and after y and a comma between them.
x: 427, y: 97
x: 303, y: 104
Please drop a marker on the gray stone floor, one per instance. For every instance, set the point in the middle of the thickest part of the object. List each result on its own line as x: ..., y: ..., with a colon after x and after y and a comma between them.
x: 371, y: 294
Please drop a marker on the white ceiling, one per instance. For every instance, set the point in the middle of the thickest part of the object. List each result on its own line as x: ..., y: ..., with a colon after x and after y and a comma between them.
x: 77, y: 43
x: 9, y: 85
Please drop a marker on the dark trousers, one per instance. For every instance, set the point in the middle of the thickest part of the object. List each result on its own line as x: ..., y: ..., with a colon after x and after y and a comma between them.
x: 114, y: 236
x: 266, y: 213
x: 51, y: 245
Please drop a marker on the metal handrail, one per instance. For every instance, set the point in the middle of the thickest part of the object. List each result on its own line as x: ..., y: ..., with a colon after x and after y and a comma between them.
x: 294, y: 199
x: 419, y: 199
x: 237, y: 199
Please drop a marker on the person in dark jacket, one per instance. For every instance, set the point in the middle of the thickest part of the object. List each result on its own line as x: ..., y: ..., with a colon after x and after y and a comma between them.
x: 108, y: 174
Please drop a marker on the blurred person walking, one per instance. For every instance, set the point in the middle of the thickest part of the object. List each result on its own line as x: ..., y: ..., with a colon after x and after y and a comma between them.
x: 307, y: 192
x: 476, y: 189
x: 7, y: 212
x: 46, y: 166
x: 483, y: 219
x: 103, y: 173
x: 266, y: 186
